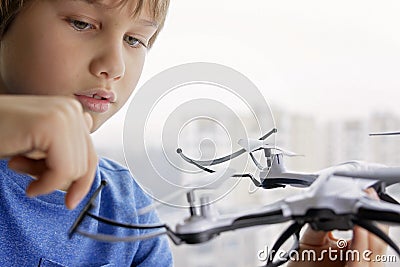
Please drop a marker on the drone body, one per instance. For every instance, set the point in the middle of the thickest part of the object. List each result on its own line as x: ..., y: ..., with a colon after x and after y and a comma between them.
x: 324, y: 205
x: 332, y: 202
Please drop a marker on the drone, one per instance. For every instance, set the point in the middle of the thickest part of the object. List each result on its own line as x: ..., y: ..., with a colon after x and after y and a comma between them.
x: 331, y: 199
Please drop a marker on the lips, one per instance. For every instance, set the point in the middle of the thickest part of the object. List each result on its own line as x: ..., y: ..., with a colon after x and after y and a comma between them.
x: 96, y: 100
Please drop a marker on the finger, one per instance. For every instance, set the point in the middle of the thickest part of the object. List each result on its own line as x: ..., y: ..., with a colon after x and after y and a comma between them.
x: 35, y: 154
x: 360, y: 244
x: 372, y: 193
x: 79, y: 189
x: 314, y: 238
x: 46, y: 183
x: 88, y: 120
x: 360, y: 239
x: 22, y: 164
x: 317, y: 241
x: 59, y: 171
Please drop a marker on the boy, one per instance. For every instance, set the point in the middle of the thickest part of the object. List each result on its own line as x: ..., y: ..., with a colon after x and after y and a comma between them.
x: 66, y: 66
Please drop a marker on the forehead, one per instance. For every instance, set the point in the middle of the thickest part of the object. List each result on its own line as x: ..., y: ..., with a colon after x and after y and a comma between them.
x: 134, y: 7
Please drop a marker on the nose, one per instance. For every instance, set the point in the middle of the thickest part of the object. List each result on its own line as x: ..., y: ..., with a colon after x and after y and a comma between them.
x: 109, y: 63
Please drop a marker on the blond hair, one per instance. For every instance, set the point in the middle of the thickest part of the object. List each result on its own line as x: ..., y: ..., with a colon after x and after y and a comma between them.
x: 9, y: 9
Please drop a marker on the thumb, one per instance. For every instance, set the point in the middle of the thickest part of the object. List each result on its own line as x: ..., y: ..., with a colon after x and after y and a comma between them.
x: 88, y: 120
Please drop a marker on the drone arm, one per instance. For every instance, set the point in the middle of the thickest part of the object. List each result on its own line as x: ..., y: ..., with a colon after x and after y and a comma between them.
x: 379, y: 215
x: 254, y: 180
x: 308, y: 177
x: 383, y: 211
x: 274, y: 130
x: 380, y: 189
x: 389, y: 175
x: 249, y: 220
x: 287, y: 178
x: 199, y: 228
x: 387, y: 198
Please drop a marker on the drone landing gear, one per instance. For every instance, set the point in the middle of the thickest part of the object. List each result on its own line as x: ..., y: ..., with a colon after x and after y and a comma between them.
x: 293, y: 230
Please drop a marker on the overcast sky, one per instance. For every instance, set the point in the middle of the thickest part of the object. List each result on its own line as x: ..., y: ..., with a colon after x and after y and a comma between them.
x: 335, y: 59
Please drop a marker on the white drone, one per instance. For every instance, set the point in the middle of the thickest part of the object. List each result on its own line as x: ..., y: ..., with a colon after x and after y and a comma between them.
x: 333, y: 199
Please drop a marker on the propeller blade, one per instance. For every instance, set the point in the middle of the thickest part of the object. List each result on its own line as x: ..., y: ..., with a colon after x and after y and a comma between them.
x: 252, y: 144
x: 287, y: 152
x: 385, y: 133
x: 210, y: 181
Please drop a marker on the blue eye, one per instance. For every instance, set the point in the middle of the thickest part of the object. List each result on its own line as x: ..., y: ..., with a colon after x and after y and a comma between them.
x: 80, y: 25
x: 133, y: 42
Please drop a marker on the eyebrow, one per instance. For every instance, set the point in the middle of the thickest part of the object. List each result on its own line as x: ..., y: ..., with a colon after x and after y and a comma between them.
x: 146, y: 22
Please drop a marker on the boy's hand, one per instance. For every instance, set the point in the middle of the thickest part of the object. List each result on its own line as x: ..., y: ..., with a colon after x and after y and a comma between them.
x: 362, y: 241
x: 48, y: 137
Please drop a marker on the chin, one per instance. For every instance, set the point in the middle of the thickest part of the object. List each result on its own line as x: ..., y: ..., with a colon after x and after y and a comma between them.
x: 96, y: 125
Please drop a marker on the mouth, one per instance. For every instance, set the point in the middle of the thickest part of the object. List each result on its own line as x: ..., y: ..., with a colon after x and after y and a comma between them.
x: 98, y: 101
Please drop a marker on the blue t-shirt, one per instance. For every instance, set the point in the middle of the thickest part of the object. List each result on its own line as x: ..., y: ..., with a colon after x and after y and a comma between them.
x: 34, y: 231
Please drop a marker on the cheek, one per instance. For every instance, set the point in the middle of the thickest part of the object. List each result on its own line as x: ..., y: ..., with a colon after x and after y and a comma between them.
x: 133, y: 72
x: 39, y: 66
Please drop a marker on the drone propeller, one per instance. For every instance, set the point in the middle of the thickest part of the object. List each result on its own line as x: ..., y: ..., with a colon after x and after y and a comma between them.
x: 280, y: 179
x: 389, y: 175
x: 383, y: 134
x: 251, y: 145
x: 202, y: 163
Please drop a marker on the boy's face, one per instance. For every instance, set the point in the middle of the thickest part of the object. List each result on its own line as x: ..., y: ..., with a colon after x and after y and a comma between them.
x: 78, y: 49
